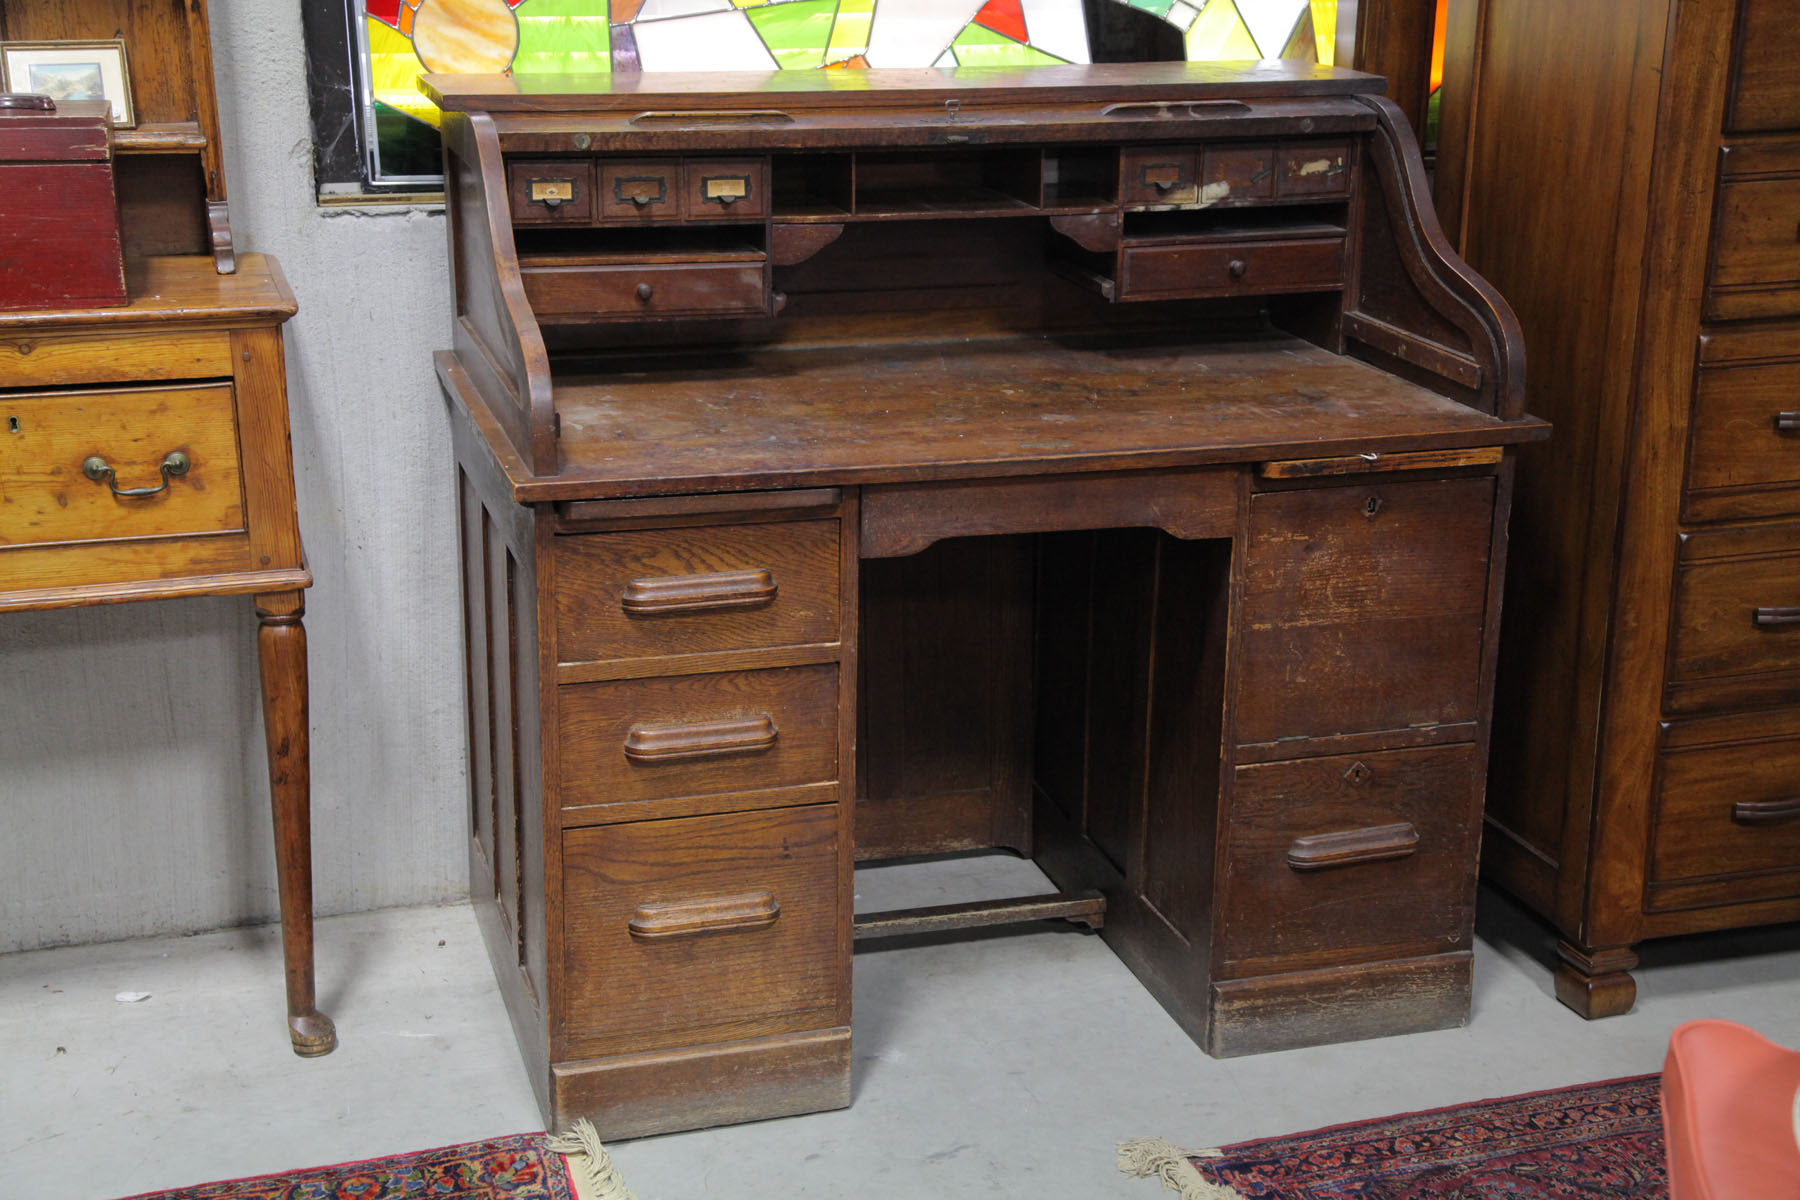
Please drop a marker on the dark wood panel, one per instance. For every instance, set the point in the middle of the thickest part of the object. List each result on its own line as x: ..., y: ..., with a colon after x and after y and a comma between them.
x: 946, y: 698
x: 1339, y: 1004
x: 625, y: 993
x: 1367, y: 602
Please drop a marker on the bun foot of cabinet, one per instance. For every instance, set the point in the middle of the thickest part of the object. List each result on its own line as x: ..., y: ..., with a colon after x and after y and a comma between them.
x: 1339, y: 1004
x: 665, y: 1091
x: 1596, y: 983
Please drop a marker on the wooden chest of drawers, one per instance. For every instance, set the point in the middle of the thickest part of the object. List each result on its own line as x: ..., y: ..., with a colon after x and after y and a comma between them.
x: 1644, y: 777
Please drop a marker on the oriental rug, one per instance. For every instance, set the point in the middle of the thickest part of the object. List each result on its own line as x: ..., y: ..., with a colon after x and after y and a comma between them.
x: 525, y: 1166
x: 1593, y: 1140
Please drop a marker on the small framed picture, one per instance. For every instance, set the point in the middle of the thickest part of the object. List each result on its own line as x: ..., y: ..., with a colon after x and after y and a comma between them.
x: 71, y: 71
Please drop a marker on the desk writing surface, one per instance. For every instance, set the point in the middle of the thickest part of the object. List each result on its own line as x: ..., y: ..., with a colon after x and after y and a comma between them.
x: 908, y: 411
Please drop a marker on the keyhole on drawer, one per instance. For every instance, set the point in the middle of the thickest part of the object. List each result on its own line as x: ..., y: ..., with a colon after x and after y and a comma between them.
x: 12, y: 424
x: 1358, y: 774
x: 1371, y: 506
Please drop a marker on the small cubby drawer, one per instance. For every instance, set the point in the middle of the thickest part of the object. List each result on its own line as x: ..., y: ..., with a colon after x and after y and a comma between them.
x: 640, y: 189
x: 1213, y: 267
x: 1158, y: 175
x: 1350, y: 858
x: 632, y: 740
x: 1313, y: 169
x: 726, y: 189
x: 570, y: 287
x: 655, y: 593
x: 551, y: 191
x: 703, y: 929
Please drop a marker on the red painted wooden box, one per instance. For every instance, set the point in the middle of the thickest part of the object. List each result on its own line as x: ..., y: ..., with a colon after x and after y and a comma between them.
x: 59, y: 213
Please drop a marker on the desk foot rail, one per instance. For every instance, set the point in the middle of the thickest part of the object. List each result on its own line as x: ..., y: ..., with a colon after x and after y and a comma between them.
x: 1084, y: 908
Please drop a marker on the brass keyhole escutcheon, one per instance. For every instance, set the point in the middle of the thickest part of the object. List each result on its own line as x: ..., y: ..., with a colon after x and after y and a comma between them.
x: 1371, y: 506
x: 1358, y: 774
x: 12, y: 424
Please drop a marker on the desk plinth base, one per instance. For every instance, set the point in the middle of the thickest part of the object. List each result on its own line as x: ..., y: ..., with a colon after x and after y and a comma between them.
x: 1339, y: 1004
x: 665, y: 1091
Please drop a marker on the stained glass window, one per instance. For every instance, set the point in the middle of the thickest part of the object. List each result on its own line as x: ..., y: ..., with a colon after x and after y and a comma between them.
x: 398, y: 40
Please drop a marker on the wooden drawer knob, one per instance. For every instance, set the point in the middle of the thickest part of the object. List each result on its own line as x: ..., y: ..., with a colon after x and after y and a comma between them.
x: 652, y: 744
x: 664, y: 595
x: 1376, y: 843
x: 712, y: 914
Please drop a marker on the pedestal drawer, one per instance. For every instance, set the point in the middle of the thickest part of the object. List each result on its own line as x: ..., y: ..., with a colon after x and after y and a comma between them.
x: 692, y: 735
x: 1737, y: 616
x: 131, y: 463
x: 702, y: 929
x: 660, y: 592
x: 1350, y: 858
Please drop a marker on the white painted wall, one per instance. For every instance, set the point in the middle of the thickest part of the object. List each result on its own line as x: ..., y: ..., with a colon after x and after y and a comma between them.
x: 133, y: 792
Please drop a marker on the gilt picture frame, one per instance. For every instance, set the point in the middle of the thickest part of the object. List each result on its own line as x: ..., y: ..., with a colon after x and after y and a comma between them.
x: 72, y: 70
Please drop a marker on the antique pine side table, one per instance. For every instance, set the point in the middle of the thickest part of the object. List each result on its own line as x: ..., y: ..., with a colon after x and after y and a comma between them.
x: 144, y: 455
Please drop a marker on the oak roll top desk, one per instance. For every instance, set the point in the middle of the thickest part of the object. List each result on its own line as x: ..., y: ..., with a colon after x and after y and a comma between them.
x: 1106, y: 463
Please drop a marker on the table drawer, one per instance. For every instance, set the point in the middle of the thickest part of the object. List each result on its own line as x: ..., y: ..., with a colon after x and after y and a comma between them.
x: 1348, y: 858
x: 175, y: 446
x: 569, y: 287
x: 1756, y: 257
x: 695, y: 735
x: 1728, y: 810
x: 1364, y: 608
x: 703, y: 929
x: 1746, y: 429
x: 1230, y: 268
x: 67, y: 360
x: 662, y: 592
x: 1737, y: 616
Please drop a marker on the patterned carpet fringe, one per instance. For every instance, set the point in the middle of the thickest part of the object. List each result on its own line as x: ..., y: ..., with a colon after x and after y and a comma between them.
x: 1147, y: 1157
x: 591, y: 1166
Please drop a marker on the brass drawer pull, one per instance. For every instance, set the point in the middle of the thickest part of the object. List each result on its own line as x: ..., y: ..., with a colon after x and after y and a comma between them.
x: 654, y: 744
x: 1377, y: 843
x: 1787, y: 422
x: 97, y: 469
x: 1766, y: 812
x: 1775, y: 618
x: 698, y: 593
x: 713, y: 914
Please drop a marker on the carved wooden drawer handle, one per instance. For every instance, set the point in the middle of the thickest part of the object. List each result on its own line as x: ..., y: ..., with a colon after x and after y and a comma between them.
x: 1316, y: 851
x: 650, y: 744
x: 698, y: 593
x: 1771, y: 618
x: 712, y: 914
x: 1766, y: 812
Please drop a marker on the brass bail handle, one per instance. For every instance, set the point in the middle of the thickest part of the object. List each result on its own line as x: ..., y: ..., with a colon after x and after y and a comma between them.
x: 97, y: 469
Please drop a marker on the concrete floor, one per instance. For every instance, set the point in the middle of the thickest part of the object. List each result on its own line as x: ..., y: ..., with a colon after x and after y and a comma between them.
x: 999, y: 1065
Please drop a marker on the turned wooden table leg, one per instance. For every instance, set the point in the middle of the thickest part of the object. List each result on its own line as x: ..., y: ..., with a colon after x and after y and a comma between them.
x: 281, y: 649
x: 1596, y: 983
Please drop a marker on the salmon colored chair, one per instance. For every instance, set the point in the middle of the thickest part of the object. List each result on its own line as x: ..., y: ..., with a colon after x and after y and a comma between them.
x: 1729, y: 1114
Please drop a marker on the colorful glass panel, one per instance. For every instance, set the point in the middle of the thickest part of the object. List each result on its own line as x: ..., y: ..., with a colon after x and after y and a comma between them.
x: 403, y: 39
